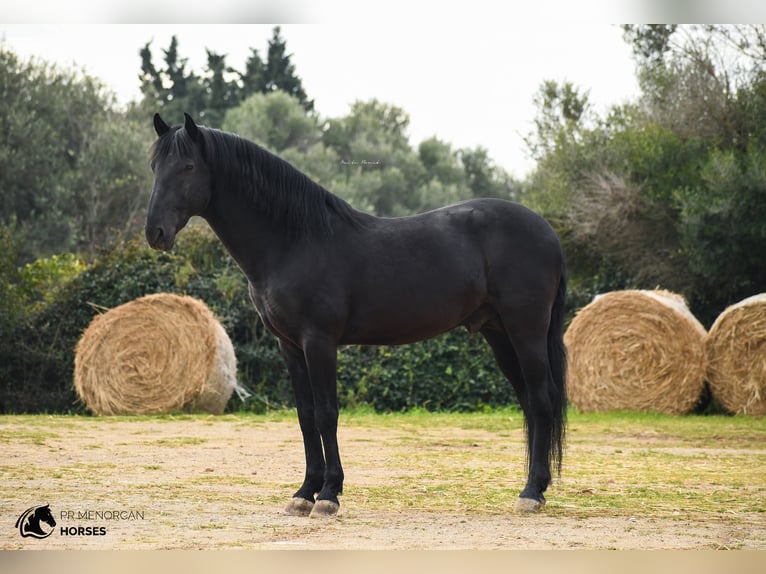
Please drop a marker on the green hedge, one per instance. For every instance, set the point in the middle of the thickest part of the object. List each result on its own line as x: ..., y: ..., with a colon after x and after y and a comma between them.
x: 452, y: 372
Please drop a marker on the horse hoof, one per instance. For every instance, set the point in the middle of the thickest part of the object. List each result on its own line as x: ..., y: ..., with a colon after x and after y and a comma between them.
x: 325, y: 509
x: 299, y: 507
x: 529, y: 505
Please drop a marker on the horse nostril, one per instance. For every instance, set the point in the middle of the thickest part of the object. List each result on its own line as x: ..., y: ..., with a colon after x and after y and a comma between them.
x: 154, y: 235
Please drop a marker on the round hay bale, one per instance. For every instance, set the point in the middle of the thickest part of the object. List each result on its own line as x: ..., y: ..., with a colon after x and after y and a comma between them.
x: 736, y: 351
x: 636, y: 350
x: 157, y: 354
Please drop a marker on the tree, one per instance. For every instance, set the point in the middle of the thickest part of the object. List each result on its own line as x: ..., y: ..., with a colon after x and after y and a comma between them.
x: 667, y: 190
x: 723, y: 228
x: 561, y: 113
x: 379, y: 169
x: 253, y: 79
x: 445, y: 180
x: 179, y: 80
x: 220, y: 94
x: 483, y: 177
x: 650, y: 42
x: 563, y: 123
x: 276, y: 120
x: 171, y: 90
x: 441, y: 162
x: 174, y: 89
x: 370, y: 129
x: 709, y: 92
x: 113, y: 183
x: 279, y: 73
x: 49, y: 119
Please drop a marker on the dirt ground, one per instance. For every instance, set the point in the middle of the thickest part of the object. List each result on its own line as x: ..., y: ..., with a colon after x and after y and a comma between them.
x: 197, y: 483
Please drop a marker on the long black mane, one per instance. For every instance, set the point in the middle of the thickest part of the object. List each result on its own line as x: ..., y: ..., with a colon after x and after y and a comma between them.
x: 275, y: 187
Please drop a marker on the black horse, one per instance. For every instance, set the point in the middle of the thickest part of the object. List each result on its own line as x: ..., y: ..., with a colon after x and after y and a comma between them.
x: 322, y: 274
x: 29, y: 522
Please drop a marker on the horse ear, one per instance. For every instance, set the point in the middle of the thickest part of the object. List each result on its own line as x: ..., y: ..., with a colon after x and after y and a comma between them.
x: 160, y: 126
x: 191, y: 127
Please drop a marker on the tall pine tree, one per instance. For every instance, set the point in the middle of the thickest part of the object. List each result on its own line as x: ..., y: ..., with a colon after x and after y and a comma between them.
x: 173, y: 89
x: 280, y: 71
x: 220, y: 94
x: 254, y: 77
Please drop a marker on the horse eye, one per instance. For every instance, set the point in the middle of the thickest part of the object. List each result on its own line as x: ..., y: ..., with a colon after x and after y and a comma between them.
x: 189, y: 167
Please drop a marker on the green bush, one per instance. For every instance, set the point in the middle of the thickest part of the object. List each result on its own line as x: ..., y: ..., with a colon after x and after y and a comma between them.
x: 452, y: 372
x: 37, y: 349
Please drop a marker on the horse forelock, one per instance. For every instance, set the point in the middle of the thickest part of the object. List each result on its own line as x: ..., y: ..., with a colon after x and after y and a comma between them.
x: 175, y: 141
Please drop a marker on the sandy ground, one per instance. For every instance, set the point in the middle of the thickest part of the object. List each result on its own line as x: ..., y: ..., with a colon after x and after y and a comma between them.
x: 222, y: 483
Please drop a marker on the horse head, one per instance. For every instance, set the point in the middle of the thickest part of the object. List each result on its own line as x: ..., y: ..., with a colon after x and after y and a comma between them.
x: 182, y: 182
x: 29, y: 522
x: 44, y: 514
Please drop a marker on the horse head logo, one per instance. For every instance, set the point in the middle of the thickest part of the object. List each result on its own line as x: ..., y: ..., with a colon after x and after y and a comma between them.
x: 29, y: 523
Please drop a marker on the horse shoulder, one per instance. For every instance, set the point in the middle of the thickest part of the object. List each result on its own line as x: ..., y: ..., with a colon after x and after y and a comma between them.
x: 290, y: 303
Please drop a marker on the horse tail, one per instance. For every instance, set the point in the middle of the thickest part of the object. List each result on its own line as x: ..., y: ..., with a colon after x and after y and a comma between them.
x: 557, y: 359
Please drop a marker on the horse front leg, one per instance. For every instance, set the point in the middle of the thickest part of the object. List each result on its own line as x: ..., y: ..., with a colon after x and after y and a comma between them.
x: 321, y: 360
x: 303, y: 500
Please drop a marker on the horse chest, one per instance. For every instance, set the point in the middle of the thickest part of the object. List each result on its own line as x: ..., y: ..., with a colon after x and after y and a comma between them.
x: 275, y: 311
x: 264, y: 308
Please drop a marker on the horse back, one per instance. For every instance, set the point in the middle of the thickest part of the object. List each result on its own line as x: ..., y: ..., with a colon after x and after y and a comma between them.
x: 418, y: 276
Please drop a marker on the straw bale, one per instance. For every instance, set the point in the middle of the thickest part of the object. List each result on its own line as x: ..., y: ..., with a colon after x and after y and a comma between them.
x: 736, y: 350
x: 636, y: 350
x: 157, y: 354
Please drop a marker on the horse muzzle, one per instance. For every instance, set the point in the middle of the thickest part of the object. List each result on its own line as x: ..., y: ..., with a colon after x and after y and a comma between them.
x: 160, y: 238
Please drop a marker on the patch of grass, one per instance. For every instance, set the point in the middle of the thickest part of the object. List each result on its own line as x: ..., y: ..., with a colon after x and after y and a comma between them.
x: 175, y: 441
x: 615, y: 464
x: 227, y: 479
x: 212, y: 526
x: 711, y: 429
x: 504, y: 419
x: 33, y: 436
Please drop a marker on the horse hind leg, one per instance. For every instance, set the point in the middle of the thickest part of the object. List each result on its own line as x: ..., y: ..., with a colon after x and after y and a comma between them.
x: 523, y: 356
x: 508, y: 362
x: 505, y: 357
x: 540, y: 412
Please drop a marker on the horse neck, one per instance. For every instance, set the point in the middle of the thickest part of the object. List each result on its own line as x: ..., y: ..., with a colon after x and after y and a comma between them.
x: 255, y: 242
x: 33, y: 524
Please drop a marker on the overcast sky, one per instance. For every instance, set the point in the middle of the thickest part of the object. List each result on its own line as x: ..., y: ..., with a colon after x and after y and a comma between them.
x: 466, y: 73
x: 469, y: 85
